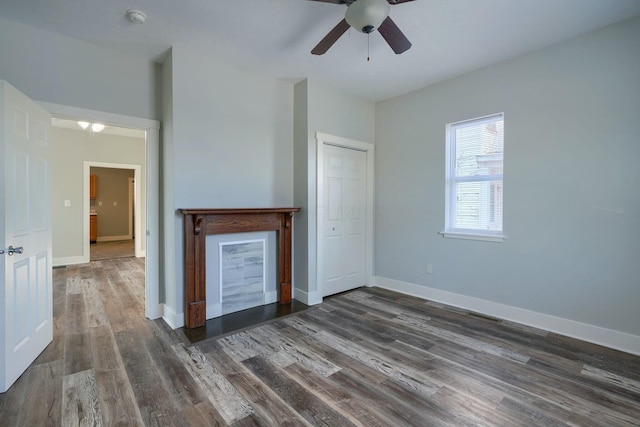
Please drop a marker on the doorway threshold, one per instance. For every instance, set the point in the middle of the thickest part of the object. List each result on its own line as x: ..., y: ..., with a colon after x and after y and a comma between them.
x: 239, y: 321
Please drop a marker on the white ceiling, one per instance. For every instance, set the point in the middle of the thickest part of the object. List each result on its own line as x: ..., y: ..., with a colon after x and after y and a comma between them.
x: 275, y: 37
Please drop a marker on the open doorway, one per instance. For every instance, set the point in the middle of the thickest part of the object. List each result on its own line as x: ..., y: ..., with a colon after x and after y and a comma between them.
x: 95, y: 162
x: 145, y: 221
x: 112, y: 207
x: 109, y: 207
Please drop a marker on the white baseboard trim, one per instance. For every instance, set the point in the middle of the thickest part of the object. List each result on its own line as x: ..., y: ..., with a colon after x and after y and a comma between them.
x: 595, y: 334
x: 173, y: 319
x: 69, y: 260
x: 308, y: 298
x: 154, y: 312
x: 113, y: 238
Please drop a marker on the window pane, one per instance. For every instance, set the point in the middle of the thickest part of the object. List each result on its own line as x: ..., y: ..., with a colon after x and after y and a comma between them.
x: 479, y: 148
x: 478, y: 205
x: 474, y: 166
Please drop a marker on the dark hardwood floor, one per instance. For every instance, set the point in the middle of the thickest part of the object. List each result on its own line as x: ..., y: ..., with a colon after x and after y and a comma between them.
x: 369, y: 358
x: 228, y: 324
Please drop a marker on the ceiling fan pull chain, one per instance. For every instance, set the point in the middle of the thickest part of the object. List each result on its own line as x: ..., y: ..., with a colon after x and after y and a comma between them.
x: 368, y: 47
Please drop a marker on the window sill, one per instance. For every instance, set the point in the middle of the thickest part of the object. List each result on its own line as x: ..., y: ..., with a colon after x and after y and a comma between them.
x: 497, y: 238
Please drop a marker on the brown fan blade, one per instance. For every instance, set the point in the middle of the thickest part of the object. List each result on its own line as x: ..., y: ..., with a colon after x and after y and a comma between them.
x: 333, y: 36
x: 391, y: 2
x: 394, y: 37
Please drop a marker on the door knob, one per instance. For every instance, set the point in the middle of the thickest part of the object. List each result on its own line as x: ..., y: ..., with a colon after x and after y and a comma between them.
x: 11, y: 250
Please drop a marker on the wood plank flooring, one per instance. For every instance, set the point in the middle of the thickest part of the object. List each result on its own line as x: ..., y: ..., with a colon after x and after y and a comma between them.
x: 366, y: 358
x: 239, y: 321
x: 111, y: 250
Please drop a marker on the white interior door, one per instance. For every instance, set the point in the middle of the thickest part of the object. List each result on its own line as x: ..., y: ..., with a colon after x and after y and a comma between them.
x: 27, y: 305
x: 344, y: 228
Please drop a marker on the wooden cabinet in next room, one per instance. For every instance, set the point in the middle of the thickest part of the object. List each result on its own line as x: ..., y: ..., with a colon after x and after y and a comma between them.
x: 93, y: 228
x: 93, y: 185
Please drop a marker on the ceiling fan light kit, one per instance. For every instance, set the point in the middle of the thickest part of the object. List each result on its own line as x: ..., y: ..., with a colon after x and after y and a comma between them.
x: 366, y: 16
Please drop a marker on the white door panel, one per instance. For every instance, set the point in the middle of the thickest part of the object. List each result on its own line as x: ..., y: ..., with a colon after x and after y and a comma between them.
x: 41, y: 282
x: 344, y: 222
x: 334, y: 248
x: 26, y: 324
x: 334, y: 199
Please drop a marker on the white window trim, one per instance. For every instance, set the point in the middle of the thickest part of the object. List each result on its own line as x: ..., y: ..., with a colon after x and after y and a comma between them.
x: 459, y: 233
x: 498, y: 238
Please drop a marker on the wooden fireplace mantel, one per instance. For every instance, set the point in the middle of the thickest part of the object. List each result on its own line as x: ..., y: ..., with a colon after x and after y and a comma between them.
x: 199, y: 223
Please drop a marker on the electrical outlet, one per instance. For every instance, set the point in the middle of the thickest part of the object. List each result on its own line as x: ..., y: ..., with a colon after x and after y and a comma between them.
x: 67, y: 203
x: 429, y: 269
x: 115, y: 203
x: 99, y: 203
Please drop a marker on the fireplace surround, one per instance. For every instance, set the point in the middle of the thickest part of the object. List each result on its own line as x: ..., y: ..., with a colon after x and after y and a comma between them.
x: 198, y: 223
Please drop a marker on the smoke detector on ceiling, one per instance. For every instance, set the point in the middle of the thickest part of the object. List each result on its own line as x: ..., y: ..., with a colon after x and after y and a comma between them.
x: 136, y: 16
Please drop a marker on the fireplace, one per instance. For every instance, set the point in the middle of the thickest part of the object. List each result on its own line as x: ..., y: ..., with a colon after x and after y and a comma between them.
x: 199, y: 223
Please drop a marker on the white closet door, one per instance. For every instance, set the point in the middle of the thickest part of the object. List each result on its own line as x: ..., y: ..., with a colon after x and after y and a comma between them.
x: 344, y: 228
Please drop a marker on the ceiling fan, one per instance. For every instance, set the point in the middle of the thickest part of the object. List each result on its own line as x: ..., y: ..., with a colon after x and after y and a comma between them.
x: 366, y: 16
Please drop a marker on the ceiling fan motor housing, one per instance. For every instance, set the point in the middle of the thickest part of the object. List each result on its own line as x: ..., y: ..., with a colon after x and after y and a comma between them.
x: 367, y: 15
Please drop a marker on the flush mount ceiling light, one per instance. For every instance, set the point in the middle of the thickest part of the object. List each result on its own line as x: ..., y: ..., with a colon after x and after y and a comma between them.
x: 95, y: 127
x: 136, y: 16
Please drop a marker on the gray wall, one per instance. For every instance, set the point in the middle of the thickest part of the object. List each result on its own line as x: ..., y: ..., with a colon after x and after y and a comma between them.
x: 301, y: 189
x: 571, y: 202
x: 228, y: 140
x: 166, y: 218
x: 53, y: 68
x: 112, y: 187
x: 319, y: 108
x: 70, y: 149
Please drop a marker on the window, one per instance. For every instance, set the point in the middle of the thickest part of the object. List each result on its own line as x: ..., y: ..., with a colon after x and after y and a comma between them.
x: 474, y: 178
